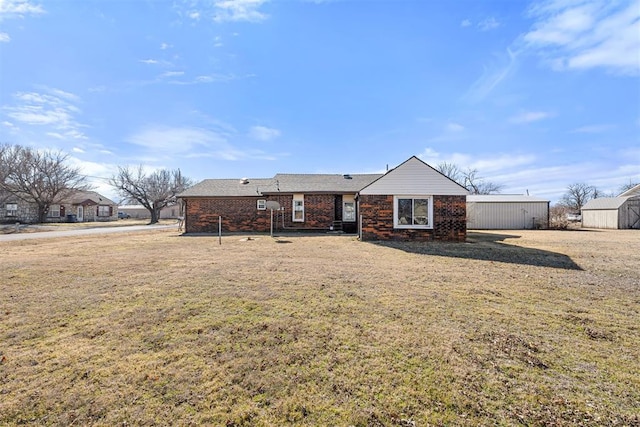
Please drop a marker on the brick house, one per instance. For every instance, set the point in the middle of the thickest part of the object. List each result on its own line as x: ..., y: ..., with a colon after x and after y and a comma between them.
x: 304, y: 202
x: 80, y: 206
x: 411, y: 202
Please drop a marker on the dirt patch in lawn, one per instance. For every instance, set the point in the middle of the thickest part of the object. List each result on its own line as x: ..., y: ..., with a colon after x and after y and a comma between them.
x: 513, y: 328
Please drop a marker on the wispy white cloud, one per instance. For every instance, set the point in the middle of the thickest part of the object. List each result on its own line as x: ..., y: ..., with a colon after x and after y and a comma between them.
x: 454, y: 127
x: 587, y: 34
x: 191, y: 142
x: 465, y: 23
x: 492, y: 76
x: 19, y: 9
x: 54, y: 109
x: 222, y: 10
x: 530, y: 116
x: 150, y: 61
x: 523, y: 172
x: 487, y: 24
x: 172, y: 74
x: 239, y: 10
x: 593, y: 129
x: 165, y: 46
x: 263, y: 133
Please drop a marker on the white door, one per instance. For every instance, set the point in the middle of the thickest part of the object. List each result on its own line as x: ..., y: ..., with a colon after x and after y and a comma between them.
x: 80, y: 217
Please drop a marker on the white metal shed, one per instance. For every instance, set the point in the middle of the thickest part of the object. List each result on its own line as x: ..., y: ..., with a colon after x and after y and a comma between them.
x: 612, y: 212
x: 506, y: 212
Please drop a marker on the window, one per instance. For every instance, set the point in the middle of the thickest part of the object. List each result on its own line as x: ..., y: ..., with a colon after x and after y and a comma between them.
x: 262, y: 205
x: 298, y: 208
x: 413, y: 212
x: 104, y: 210
x: 11, y: 209
x: 54, y: 211
x: 349, y: 211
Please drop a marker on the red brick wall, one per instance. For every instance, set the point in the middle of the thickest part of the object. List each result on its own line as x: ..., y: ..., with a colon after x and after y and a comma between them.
x: 241, y: 214
x: 449, y: 220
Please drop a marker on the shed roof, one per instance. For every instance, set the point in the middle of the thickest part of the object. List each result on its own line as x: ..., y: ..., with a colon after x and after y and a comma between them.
x: 504, y: 198
x: 605, y: 203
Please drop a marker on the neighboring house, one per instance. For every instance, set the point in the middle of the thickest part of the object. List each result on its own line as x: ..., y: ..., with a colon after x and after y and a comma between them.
x: 506, y: 212
x: 413, y: 202
x: 612, y: 212
x: 77, y: 206
x: 410, y: 202
x: 139, y: 211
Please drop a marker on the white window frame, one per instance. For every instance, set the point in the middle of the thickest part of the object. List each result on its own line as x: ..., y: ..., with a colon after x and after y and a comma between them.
x: 102, y: 208
x: 54, y: 211
x: 344, y: 211
x: 298, y: 206
x: 11, y: 209
x: 261, y: 204
x: 427, y: 226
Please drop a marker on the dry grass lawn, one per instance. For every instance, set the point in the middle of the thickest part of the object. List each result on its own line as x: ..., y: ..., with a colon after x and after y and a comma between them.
x: 154, y: 328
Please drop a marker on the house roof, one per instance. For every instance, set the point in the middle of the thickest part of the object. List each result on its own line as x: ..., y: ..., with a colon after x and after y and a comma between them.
x: 633, y: 191
x: 414, y: 176
x: 281, y: 183
x: 604, y: 203
x: 89, y: 198
x: 229, y: 187
x: 322, y: 183
x: 505, y: 198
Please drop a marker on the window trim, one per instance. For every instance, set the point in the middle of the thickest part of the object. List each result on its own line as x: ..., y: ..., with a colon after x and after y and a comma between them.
x: 428, y: 226
x: 10, y: 212
x: 297, y: 198
x: 344, y: 210
x: 54, y: 209
x: 261, y: 205
x: 102, y: 214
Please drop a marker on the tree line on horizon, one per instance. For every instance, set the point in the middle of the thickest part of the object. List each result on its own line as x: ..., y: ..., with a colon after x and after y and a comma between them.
x: 45, y: 178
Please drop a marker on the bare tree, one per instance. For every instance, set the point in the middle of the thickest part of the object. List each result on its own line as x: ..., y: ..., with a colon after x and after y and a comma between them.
x: 5, y: 165
x: 578, y: 195
x: 468, y: 178
x: 450, y: 170
x: 154, y: 191
x: 478, y: 185
x: 40, y: 177
x: 628, y: 186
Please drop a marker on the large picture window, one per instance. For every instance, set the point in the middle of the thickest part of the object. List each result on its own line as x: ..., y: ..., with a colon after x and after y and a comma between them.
x: 104, y: 210
x: 413, y: 212
x: 54, y: 211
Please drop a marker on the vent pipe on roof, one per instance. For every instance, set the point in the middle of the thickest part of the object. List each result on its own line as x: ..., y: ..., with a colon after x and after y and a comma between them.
x: 347, y: 176
x: 244, y: 181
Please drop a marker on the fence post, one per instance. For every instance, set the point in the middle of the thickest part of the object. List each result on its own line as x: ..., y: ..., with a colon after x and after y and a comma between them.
x: 220, y: 230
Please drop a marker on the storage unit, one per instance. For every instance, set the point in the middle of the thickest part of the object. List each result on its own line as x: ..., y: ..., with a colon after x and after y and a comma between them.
x: 506, y: 212
x: 612, y: 212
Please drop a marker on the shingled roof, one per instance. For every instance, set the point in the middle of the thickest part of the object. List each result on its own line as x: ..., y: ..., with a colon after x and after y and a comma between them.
x: 281, y: 183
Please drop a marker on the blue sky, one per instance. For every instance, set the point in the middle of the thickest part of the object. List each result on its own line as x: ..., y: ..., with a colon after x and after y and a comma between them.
x: 535, y: 95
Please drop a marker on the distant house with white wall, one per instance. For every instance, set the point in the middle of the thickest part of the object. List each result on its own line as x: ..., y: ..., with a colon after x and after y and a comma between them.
x: 139, y: 211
